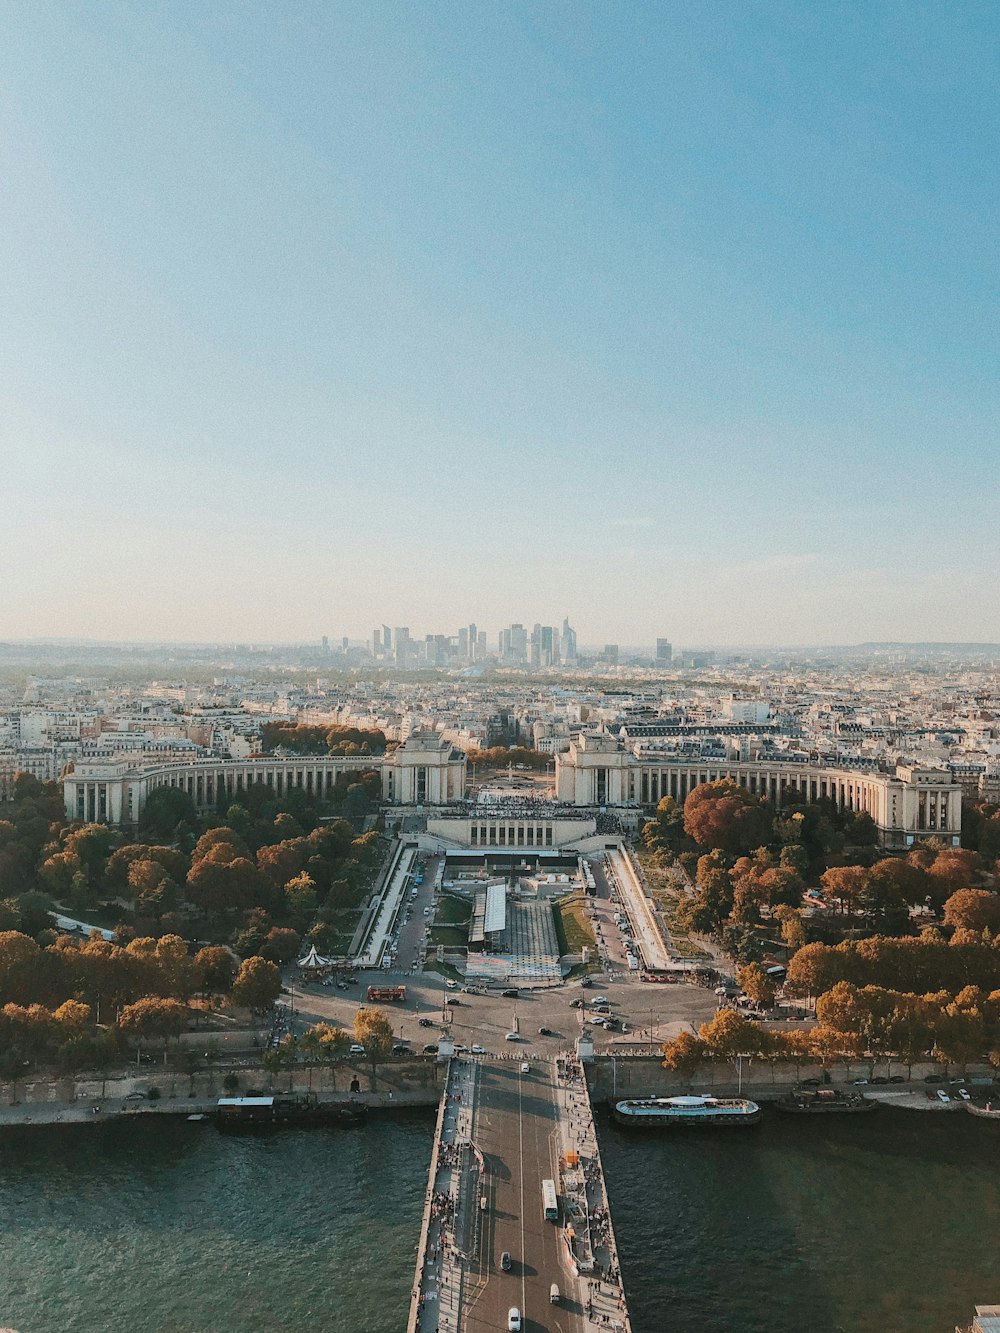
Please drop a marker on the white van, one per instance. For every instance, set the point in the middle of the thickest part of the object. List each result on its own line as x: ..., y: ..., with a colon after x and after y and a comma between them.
x: 553, y: 1295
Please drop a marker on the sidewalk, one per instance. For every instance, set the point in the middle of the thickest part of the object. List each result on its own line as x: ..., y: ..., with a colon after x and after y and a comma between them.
x: 439, y: 1285
x: 605, y: 1302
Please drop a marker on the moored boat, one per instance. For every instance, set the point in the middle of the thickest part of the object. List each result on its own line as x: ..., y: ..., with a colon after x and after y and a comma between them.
x: 691, y: 1112
x: 824, y: 1101
x: 255, y: 1113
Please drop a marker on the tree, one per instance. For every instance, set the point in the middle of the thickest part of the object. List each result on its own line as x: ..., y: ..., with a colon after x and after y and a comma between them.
x: 219, y: 886
x: 663, y: 832
x: 300, y: 895
x: 952, y: 869
x: 684, y: 1054
x: 883, y: 899
x: 164, y: 809
x: 959, y: 1036
x: 19, y: 957
x: 793, y: 933
x: 729, y: 1034
x: 757, y: 984
x: 225, y: 843
x: 281, y: 945
x: 373, y: 1030
x: 841, y: 1009
x: 214, y: 970
x: 844, y: 885
x: 257, y: 985
x: 723, y: 814
x: 332, y: 1044
x: 973, y: 909
x: 812, y: 970
x: 152, y: 1019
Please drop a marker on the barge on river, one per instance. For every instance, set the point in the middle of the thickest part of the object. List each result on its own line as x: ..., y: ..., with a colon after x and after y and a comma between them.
x: 686, y: 1112
x: 239, y: 1114
x: 824, y: 1101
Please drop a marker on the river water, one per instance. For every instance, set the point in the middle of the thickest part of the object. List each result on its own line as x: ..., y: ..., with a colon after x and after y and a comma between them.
x: 883, y: 1223
x: 169, y: 1227
x: 877, y: 1224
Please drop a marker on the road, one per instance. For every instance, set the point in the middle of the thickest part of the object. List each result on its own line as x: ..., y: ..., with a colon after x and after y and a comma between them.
x: 516, y: 1129
x: 484, y: 1019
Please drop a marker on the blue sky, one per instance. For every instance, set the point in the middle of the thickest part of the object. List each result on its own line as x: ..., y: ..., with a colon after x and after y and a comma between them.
x: 680, y: 318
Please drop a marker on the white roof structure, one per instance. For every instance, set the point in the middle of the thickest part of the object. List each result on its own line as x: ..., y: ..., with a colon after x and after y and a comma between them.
x: 313, y: 961
x: 496, y: 908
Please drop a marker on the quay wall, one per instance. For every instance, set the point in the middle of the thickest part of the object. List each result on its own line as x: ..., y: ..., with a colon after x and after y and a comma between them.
x: 406, y: 1083
x: 612, y: 1078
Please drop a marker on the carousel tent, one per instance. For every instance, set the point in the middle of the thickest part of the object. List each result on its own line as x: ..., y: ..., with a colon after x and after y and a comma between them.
x: 314, y: 962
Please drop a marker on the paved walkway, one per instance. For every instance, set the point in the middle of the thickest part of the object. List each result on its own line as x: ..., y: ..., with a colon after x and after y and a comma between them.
x: 582, y: 1186
x: 452, y: 1197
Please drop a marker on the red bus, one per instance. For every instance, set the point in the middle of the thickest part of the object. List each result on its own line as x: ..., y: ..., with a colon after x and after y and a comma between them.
x: 387, y: 994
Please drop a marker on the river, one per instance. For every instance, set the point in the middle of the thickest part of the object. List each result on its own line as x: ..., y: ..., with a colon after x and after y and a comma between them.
x: 878, y: 1224
x: 164, y: 1226
x: 885, y: 1223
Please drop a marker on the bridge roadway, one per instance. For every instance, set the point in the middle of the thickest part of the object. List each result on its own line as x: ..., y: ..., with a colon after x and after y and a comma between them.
x: 517, y: 1130
x: 502, y: 1130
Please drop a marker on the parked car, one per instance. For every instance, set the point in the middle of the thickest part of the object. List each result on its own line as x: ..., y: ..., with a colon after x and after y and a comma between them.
x: 510, y: 993
x: 934, y: 1078
x: 525, y: 1067
x: 942, y: 1096
x: 452, y: 985
x: 513, y: 1320
x: 357, y: 1048
x: 505, y: 1261
x: 511, y: 1036
x: 425, y: 1022
x: 965, y: 1095
x: 400, y: 1048
x: 897, y: 1078
x: 477, y: 1049
x: 431, y: 1048
x: 545, y: 1032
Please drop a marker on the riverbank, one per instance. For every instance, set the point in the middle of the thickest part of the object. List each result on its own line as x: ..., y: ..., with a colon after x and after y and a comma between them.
x: 100, y: 1111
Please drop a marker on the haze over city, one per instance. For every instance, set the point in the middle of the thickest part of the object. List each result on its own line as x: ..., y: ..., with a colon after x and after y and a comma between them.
x: 680, y: 320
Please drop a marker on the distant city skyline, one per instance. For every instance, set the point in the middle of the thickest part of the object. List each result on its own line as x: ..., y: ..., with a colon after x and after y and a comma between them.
x: 683, y: 317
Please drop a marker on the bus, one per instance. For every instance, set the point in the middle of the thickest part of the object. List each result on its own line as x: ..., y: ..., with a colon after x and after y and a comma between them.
x: 550, y: 1202
x: 387, y: 994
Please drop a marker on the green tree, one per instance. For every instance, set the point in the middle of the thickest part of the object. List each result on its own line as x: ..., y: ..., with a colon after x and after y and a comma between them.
x: 164, y: 809
x: 257, y: 985
x: 300, y: 895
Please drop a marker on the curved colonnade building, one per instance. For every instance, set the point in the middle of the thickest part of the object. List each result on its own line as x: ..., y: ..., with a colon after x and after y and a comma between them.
x: 424, y: 770
x: 906, y: 804
x: 596, y: 773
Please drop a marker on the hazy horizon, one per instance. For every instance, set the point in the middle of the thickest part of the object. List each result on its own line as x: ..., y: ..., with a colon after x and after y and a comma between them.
x: 684, y: 318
